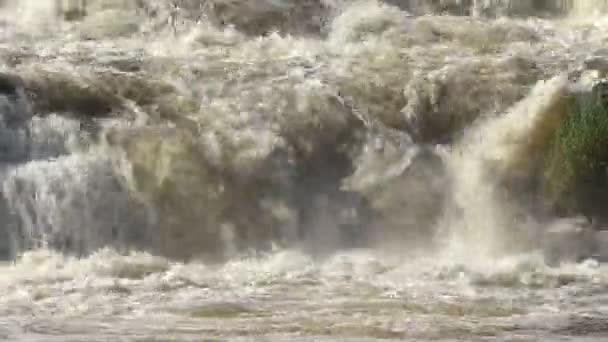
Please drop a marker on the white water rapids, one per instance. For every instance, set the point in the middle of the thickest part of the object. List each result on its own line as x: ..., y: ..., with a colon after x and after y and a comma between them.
x: 312, y: 170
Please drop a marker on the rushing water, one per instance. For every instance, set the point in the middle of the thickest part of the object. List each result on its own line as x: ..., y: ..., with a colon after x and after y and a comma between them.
x: 306, y: 170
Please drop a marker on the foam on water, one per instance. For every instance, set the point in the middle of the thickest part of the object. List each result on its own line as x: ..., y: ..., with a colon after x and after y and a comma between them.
x: 352, y: 295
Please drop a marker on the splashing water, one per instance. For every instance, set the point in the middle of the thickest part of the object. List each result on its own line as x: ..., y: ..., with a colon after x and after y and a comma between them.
x: 292, y: 170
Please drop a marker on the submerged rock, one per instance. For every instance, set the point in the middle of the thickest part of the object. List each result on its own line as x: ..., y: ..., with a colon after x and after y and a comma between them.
x: 54, y: 91
x: 72, y: 204
x: 453, y: 7
x: 15, y: 113
x: 569, y: 240
x: 203, y: 210
x: 15, y: 108
x: 259, y: 17
x: 404, y: 187
x: 441, y: 104
x: 112, y: 23
x: 71, y: 10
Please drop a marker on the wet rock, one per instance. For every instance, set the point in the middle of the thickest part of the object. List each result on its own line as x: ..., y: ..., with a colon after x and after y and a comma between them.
x: 53, y: 136
x: 584, y: 326
x: 61, y: 92
x: 485, y: 36
x: 10, y: 85
x: 574, y: 173
x: 489, y: 8
x: 15, y: 112
x: 71, y: 10
x: 203, y: 211
x: 405, y: 188
x: 598, y: 62
x: 169, y: 172
x: 86, y: 95
x: 72, y: 204
x: 246, y: 176
x: 600, y: 251
x: 109, y: 24
x: 440, y: 105
x: 7, y: 243
x: 496, y: 8
x: 569, y: 240
x: 453, y: 7
x: 530, y: 152
x: 261, y: 17
x: 15, y: 108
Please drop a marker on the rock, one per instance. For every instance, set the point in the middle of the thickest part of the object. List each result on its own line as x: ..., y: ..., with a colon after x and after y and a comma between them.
x: 404, y: 188
x: 204, y: 211
x: 574, y: 178
x: 71, y: 10
x: 95, y: 94
x: 15, y: 113
x: 259, y: 17
x: 74, y: 204
x: 598, y: 63
x: 7, y: 243
x: 64, y: 93
x: 440, y: 105
x: 235, y: 180
x: 15, y: 107
x: 419, y: 7
x: 109, y: 24
x: 568, y: 240
x: 169, y: 173
x: 491, y: 8
x: 600, y: 242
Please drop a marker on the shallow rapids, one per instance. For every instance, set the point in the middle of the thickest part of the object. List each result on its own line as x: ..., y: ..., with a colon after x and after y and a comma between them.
x: 318, y: 170
x: 355, y: 296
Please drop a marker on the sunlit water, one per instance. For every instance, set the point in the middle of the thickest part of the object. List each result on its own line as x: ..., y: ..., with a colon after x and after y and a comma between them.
x: 142, y: 136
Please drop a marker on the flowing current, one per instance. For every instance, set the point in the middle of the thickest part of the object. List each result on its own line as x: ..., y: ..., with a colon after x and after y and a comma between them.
x: 310, y: 170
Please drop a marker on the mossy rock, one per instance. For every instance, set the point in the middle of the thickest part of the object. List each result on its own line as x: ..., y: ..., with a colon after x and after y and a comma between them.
x: 575, y: 178
x: 74, y: 14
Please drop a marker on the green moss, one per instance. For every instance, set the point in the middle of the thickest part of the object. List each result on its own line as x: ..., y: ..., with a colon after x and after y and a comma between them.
x: 575, y: 169
x: 74, y: 14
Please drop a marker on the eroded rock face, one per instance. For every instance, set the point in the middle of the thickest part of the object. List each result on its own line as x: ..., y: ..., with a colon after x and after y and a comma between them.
x: 259, y: 17
x: 15, y: 112
x: 491, y: 8
x: 435, y: 112
x: 75, y: 205
x: 386, y: 170
x: 169, y: 173
x: 247, y: 187
x: 569, y: 240
x: 574, y: 179
x: 205, y: 211
x: 15, y: 107
x: 453, y: 7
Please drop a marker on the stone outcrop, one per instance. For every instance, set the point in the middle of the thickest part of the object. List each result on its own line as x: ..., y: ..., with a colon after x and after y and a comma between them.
x: 259, y: 17
x: 436, y: 113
